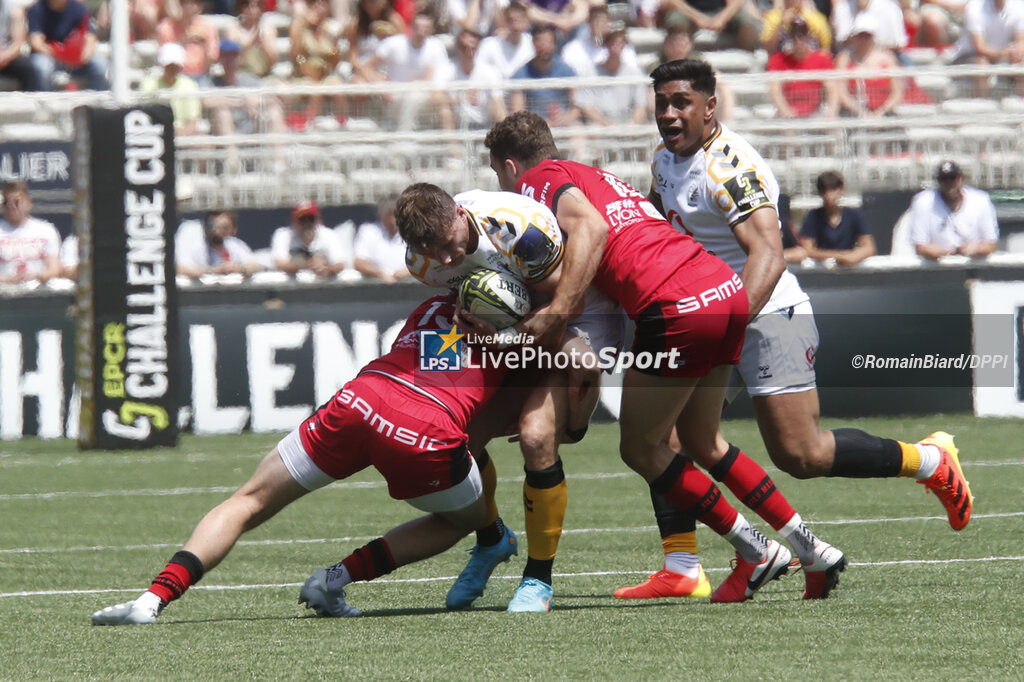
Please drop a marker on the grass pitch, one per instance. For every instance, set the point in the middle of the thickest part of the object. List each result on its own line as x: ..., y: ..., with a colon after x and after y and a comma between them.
x: 82, y: 530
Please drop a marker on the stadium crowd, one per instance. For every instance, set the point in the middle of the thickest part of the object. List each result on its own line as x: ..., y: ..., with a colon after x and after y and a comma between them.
x: 205, y: 47
x: 56, y: 44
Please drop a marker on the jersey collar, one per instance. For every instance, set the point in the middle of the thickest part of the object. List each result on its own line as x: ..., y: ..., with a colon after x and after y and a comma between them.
x: 713, y: 136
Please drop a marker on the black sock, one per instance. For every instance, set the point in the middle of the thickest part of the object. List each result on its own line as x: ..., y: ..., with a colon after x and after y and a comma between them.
x: 861, y: 455
x: 488, y: 536
x: 671, y: 521
x: 539, y: 569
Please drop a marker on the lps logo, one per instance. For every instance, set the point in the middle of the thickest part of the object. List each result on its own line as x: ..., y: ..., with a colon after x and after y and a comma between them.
x: 440, y: 351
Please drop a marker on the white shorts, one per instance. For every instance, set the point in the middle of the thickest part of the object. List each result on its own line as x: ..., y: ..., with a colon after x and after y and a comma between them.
x: 602, y: 324
x: 307, y: 474
x: 779, y: 351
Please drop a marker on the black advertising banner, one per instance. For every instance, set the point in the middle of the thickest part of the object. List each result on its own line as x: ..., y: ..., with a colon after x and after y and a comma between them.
x: 126, y: 345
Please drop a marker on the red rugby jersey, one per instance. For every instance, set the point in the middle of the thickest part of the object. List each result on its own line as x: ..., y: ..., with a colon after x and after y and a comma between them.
x: 642, y: 252
x: 462, y: 392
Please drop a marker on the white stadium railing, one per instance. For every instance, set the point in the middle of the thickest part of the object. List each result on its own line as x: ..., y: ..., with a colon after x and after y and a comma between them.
x: 356, y: 145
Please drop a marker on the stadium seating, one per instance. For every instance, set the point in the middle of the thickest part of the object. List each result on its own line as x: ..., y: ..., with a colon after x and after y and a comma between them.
x: 360, y: 160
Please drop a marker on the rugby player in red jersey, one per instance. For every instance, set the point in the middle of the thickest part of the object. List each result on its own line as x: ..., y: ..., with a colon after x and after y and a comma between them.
x: 408, y: 424
x: 685, y: 302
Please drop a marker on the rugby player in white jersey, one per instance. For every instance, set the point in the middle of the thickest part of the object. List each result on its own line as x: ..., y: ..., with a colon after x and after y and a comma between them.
x: 710, y: 183
x: 515, y: 234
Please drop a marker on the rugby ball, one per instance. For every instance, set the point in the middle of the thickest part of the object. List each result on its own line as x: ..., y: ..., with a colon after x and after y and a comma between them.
x: 494, y: 296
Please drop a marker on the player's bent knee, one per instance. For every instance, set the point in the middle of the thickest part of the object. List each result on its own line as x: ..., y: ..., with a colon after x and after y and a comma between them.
x: 537, y: 439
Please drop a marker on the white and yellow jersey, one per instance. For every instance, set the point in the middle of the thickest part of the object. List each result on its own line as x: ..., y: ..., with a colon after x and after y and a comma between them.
x: 707, y: 194
x: 515, y: 234
x: 521, y: 236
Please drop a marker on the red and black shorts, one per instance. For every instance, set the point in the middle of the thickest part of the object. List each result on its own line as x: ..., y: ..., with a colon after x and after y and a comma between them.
x: 374, y: 421
x: 702, y: 313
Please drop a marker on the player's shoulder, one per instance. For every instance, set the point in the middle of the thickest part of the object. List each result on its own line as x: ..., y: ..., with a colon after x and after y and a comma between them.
x: 728, y: 154
x: 726, y: 142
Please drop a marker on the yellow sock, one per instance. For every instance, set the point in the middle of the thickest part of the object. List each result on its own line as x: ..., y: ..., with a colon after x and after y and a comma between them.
x: 911, y: 459
x: 680, y: 542
x: 490, y: 480
x: 545, y: 513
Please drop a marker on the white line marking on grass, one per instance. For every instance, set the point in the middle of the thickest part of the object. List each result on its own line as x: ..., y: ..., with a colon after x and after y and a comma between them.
x: 222, y: 489
x: 448, y: 578
x: 366, y: 538
x: 337, y: 485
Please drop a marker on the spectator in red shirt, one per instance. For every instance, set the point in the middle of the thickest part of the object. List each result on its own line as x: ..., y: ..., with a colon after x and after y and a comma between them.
x: 799, y: 99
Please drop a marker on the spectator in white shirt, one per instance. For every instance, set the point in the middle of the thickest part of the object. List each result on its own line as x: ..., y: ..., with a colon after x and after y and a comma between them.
x: 419, y: 56
x: 212, y: 247
x: 616, y: 103
x: 953, y: 219
x: 993, y: 34
x: 69, y: 257
x: 475, y: 108
x: 307, y: 244
x: 480, y: 16
x: 379, y: 249
x: 584, y: 53
x: 887, y: 15
x: 29, y: 247
x: 511, y: 51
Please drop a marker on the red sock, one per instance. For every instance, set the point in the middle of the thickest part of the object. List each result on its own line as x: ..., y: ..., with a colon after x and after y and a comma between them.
x: 370, y: 561
x: 691, y: 491
x: 753, y: 486
x: 184, y: 570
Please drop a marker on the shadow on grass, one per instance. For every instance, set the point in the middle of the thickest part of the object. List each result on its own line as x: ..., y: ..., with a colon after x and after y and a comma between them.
x: 586, y: 602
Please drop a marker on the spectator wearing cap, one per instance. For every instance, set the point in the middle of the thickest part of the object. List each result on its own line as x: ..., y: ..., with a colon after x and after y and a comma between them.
x: 378, y: 248
x: 953, y: 218
x: 778, y: 25
x: 801, y: 98
x: 834, y: 231
x: 306, y: 244
x: 993, y: 34
x: 61, y: 37
x: 196, y: 33
x: 212, y: 247
x: 863, y: 96
x: 182, y: 91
